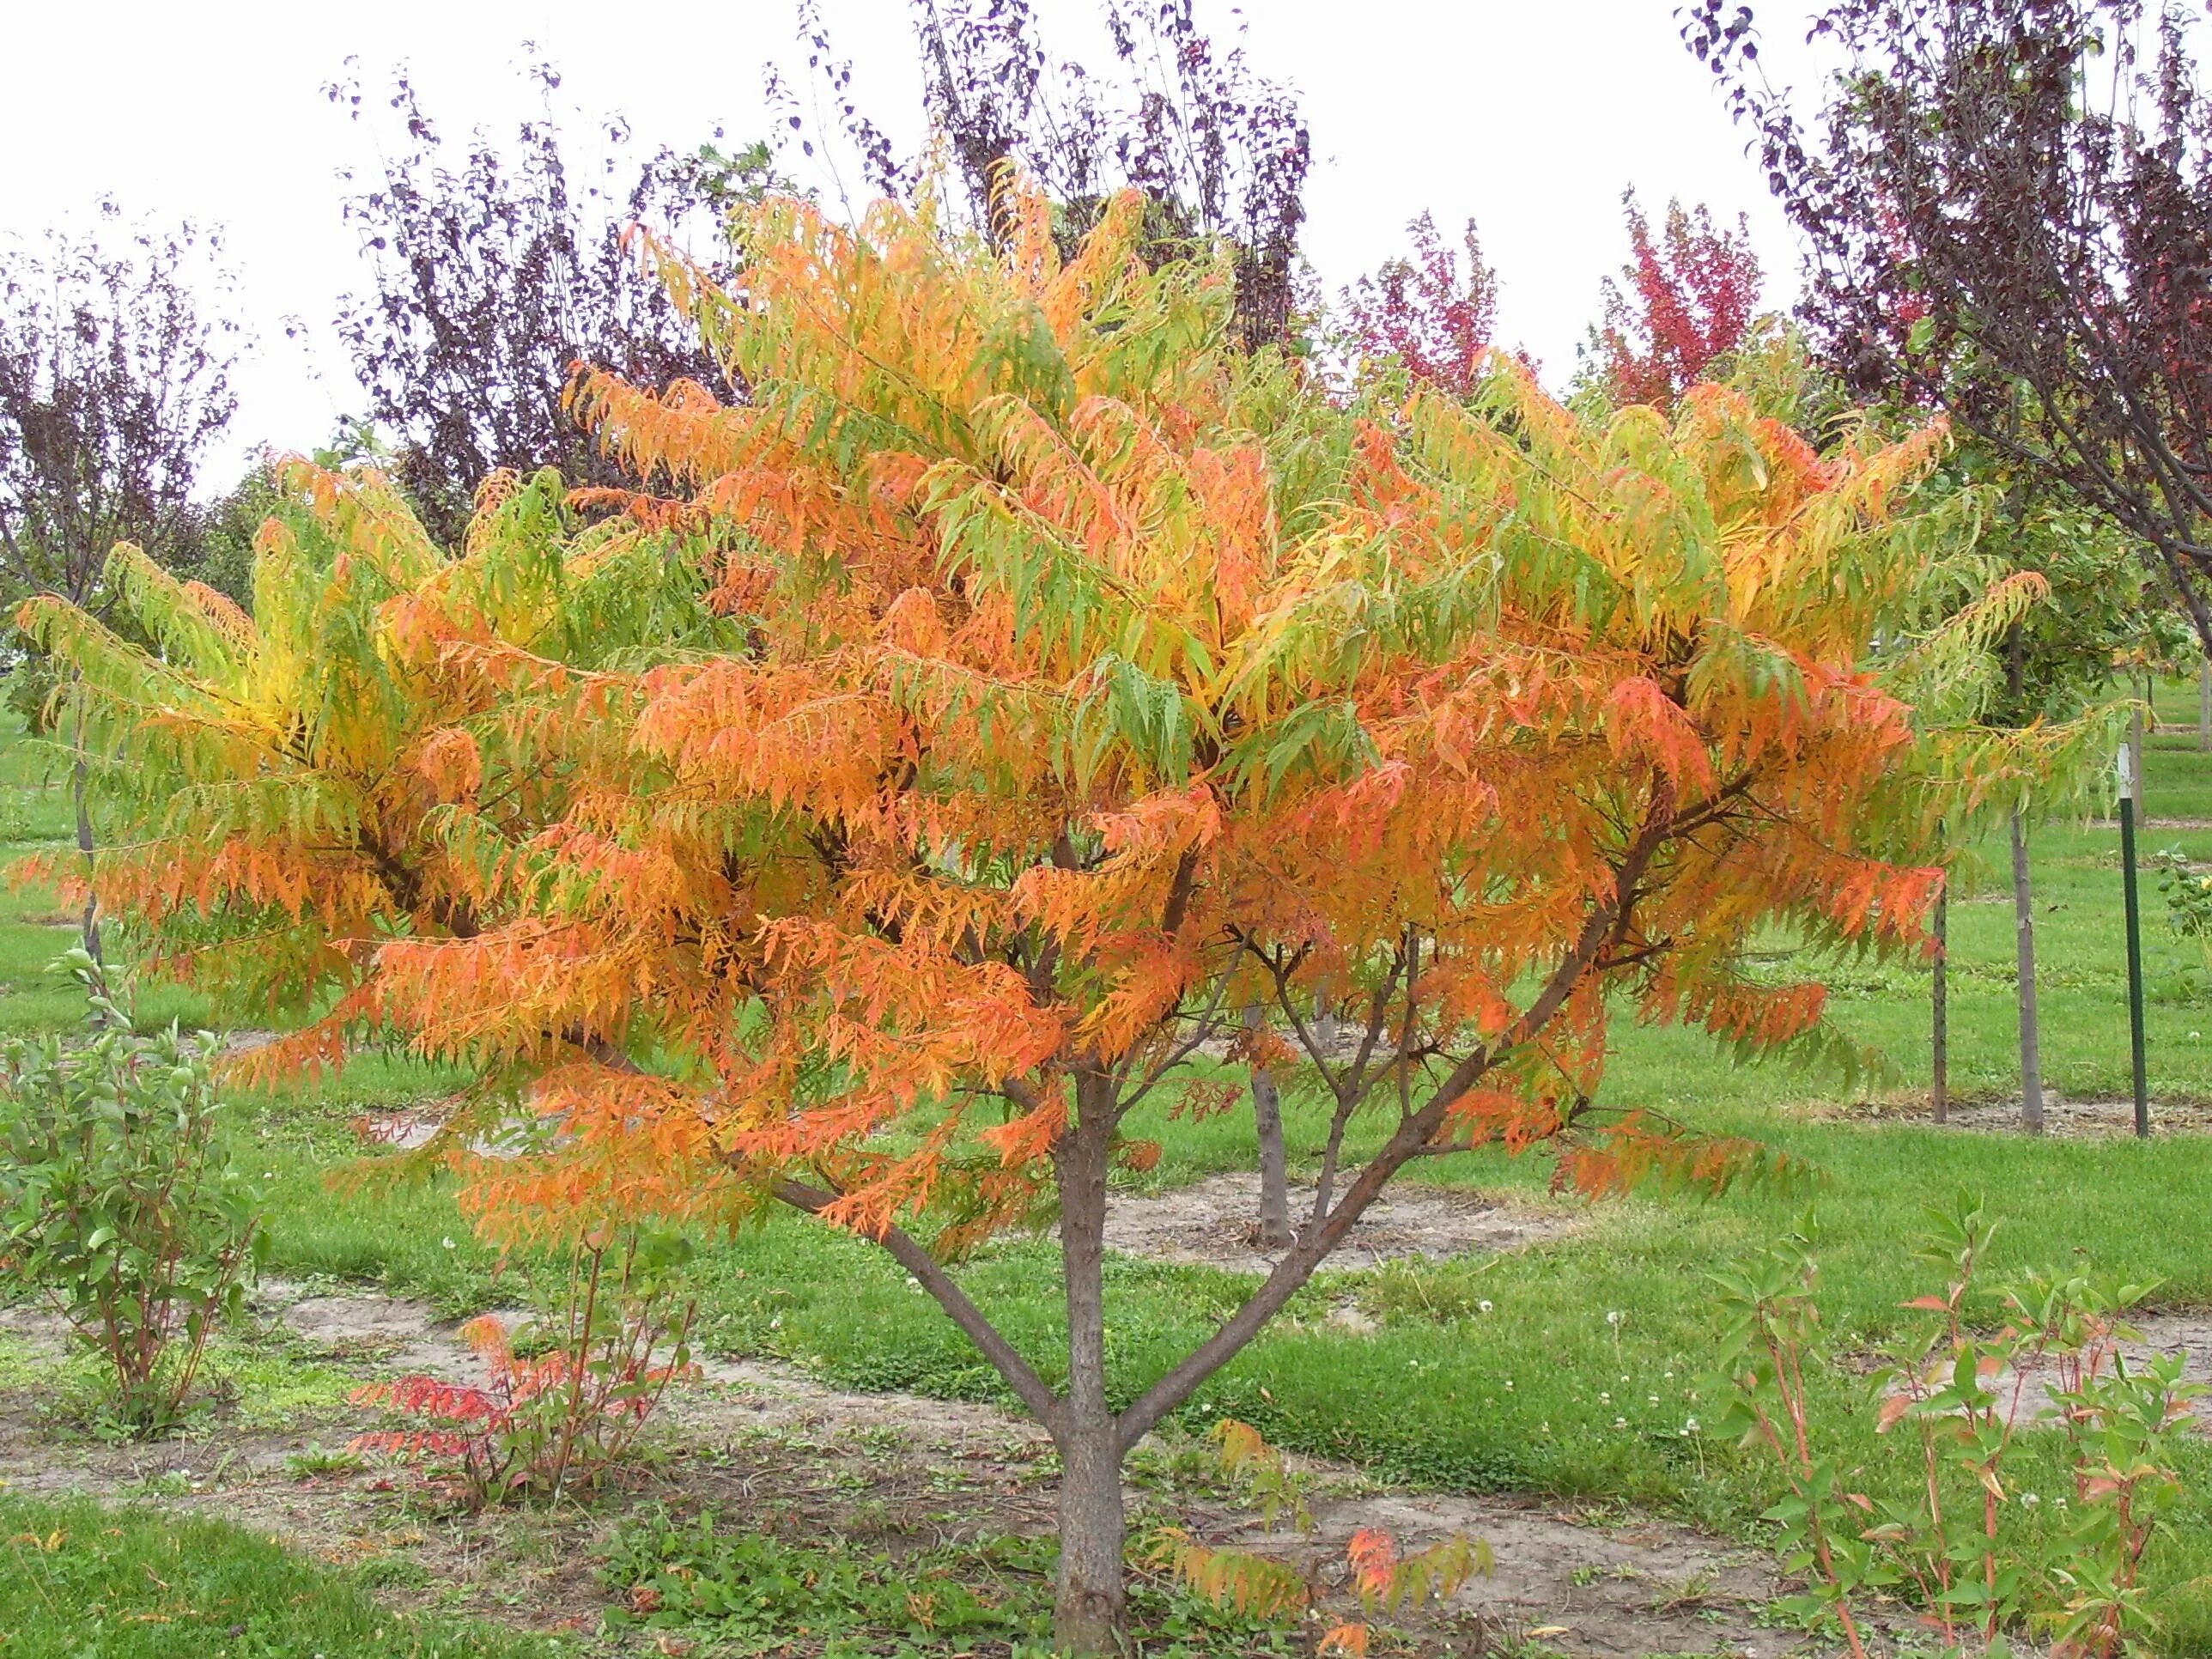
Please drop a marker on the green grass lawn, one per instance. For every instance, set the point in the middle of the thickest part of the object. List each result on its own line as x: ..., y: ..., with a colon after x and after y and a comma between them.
x: 80, y: 1581
x: 1500, y: 1373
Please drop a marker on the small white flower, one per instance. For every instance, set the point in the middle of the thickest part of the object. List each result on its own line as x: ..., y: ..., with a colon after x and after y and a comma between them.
x: 776, y: 1323
x: 447, y: 1242
x: 1483, y: 1307
x: 1509, y: 1385
x: 1653, y: 1398
x: 1613, y: 1317
x: 1604, y: 1400
x: 1619, y: 1422
x: 2029, y: 1500
x: 1691, y: 1426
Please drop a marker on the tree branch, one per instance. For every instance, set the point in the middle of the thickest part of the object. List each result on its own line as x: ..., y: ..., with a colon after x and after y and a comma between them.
x: 1047, y: 1407
x: 1605, y: 925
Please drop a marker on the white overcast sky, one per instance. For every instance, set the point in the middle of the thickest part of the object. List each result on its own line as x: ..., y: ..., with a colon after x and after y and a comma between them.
x: 1531, y: 118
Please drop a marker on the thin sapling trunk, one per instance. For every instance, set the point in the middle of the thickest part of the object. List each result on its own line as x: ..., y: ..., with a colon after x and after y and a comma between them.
x: 80, y: 792
x: 2023, y: 916
x: 1274, y: 1233
x: 1938, y: 1087
x: 2031, y: 1033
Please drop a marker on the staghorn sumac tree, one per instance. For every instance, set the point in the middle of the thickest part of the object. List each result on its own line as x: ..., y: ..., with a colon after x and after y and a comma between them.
x: 1093, y: 679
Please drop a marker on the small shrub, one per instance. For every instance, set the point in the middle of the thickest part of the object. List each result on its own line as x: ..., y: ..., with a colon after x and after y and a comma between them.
x: 1383, y: 1579
x: 2188, y: 898
x: 565, y: 1400
x: 1959, y: 1546
x: 118, y: 1200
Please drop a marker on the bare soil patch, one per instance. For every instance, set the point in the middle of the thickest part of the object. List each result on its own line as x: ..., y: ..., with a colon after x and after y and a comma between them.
x: 1213, y: 1223
x: 762, y: 1443
x: 2064, y: 1118
x: 1639, y: 1587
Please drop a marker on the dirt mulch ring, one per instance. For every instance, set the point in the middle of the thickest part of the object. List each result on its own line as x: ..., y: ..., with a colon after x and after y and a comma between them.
x: 1213, y: 1223
x: 763, y: 1442
x: 2062, y: 1118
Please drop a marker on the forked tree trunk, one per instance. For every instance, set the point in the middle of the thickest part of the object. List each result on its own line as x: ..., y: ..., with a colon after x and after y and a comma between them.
x: 1090, y: 1609
x: 1274, y: 1176
x: 2030, y: 1034
x: 1939, y: 1085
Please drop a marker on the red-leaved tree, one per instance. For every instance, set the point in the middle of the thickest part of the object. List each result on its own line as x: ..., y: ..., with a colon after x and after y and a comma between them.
x: 1423, y: 312
x: 1682, y: 308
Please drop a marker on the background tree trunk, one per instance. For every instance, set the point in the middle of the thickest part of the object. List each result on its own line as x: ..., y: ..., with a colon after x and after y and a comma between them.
x: 1090, y: 1610
x: 1274, y: 1178
x: 2031, y: 1035
x: 2136, y: 722
x: 80, y: 790
x: 1324, y: 1017
x: 1939, y: 1086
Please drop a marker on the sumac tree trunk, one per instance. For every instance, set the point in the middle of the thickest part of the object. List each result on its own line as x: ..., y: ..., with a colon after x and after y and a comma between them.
x: 1090, y: 1609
